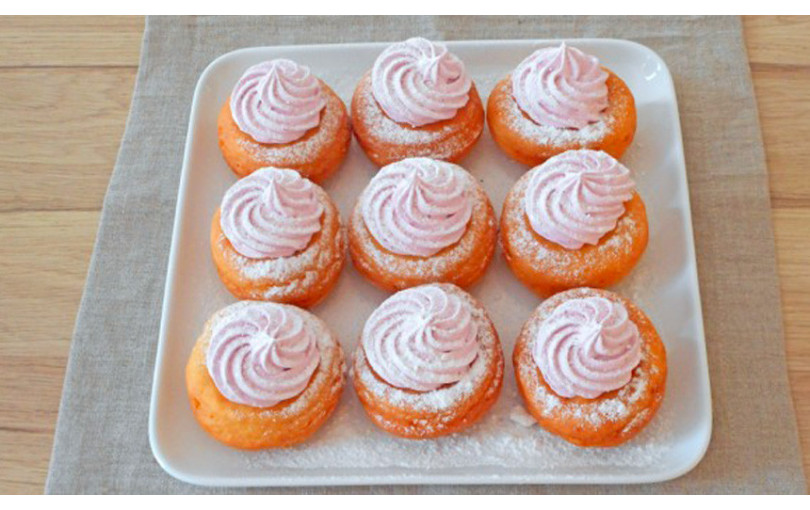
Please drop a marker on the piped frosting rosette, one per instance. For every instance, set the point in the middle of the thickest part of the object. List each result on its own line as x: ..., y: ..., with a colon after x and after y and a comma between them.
x: 277, y: 101
x: 561, y: 87
x: 421, y: 339
x: 587, y: 347
x: 577, y: 197
x: 262, y: 354
x: 417, y: 206
x: 419, y: 82
x: 271, y: 213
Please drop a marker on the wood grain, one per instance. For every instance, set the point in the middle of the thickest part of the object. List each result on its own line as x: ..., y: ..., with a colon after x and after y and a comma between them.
x: 779, y: 55
x: 784, y: 110
x: 41, y: 276
x: 66, y: 85
x: 780, y: 41
x: 59, y: 135
x: 53, y: 41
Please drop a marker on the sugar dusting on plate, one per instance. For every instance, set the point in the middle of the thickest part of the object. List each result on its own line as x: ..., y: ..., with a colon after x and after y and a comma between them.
x: 503, y: 438
x: 350, y: 440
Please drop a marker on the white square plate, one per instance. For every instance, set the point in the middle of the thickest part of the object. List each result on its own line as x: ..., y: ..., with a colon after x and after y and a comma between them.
x: 349, y: 449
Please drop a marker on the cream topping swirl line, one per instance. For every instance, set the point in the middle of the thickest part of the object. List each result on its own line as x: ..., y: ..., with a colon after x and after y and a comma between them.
x: 421, y: 339
x: 586, y: 347
x: 561, y: 87
x: 262, y: 354
x: 576, y: 197
x: 417, y: 206
x: 271, y: 213
x: 277, y: 101
x: 419, y: 82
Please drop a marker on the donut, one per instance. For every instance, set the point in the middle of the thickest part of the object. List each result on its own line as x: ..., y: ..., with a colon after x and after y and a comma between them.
x: 431, y: 380
x: 574, y: 221
x: 278, y: 237
x: 560, y: 99
x: 590, y: 367
x: 422, y: 221
x: 262, y: 124
x: 416, y: 101
x: 264, y: 375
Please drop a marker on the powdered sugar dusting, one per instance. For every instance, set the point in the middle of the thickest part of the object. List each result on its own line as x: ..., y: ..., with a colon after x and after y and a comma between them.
x: 505, y: 438
x: 350, y: 440
x: 598, y: 411
x: 519, y: 415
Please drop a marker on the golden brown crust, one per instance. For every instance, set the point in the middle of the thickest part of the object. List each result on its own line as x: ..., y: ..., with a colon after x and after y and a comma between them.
x: 515, y: 133
x: 412, y: 421
x: 316, y: 155
x: 303, y: 279
x: 548, y: 268
x: 287, y: 423
x: 612, y: 418
x: 386, y: 141
x: 462, y: 263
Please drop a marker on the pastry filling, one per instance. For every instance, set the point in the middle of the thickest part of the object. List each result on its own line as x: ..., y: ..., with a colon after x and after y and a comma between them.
x: 421, y: 339
x: 417, y: 206
x: 587, y: 347
x: 418, y: 82
x: 271, y: 213
x: 262, y: 354
x: 561, y: 87
x: 577, y: 197
x: 277, y: 101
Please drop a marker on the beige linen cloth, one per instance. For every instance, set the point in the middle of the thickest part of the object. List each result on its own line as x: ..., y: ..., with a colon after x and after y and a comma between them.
x: 101, y: 442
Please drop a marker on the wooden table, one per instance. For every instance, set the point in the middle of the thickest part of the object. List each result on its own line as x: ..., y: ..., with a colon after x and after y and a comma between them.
x: 65, y: 90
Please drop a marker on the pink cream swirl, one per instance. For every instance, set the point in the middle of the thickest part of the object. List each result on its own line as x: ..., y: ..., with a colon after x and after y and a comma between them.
x: 262, y: 354
x: 421, y: 339
x: 417, y: 206
x: 419, y: 82
x: 586, y: 347
x: 577, y: 197
x: 277, y: 101
x: 561, y: 87
x: 271, y: 213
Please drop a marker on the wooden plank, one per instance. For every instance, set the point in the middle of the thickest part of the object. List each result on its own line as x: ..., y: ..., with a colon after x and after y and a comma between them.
x: 75, y: 41
x: 24, y: 464
x: 780, y: 64
x: 42, y: 274
x: 59, y: 134
x: 777, y: 41
x: 784, y: 112
x: 792, y: 229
